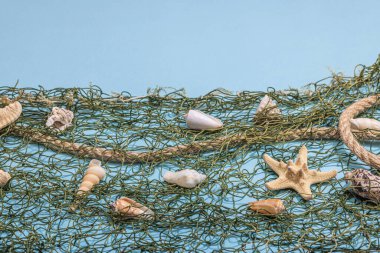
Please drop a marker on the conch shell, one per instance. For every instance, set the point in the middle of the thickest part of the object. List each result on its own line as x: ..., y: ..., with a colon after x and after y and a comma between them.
x: 60, y: 119
x: 130, y: 209
x: 365, y: 123
x: 93, y: 175
x: 268, y: 206
x: 365, y: 184
x: 185, y: 178
x: 201, y: 121
x: 4, y: 178
x: 267, y: 105
x: 10, y: 113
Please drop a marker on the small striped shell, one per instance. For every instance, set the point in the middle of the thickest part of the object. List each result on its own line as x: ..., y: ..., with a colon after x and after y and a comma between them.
x: 365, y: 123
x: 10, y: 114
x: 4, y: 178
x: 365, y: 184
x: 268, y: 206
x: 93, y: 175
x: 129, y: 209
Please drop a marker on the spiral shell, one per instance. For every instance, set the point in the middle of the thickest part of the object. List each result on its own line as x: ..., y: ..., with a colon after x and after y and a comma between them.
x: 365, y: 123
x: 365, y: 184
x: 268, y: 206
x: 129, y: 209
x: 10, y: 114
x: 4, y: 178
x: 93, y: 175
x: 198, y: 120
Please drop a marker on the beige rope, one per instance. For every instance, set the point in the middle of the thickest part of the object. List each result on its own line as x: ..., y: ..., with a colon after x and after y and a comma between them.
x: 347, y: 136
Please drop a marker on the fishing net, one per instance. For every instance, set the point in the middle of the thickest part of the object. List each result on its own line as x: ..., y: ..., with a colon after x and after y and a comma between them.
x: 34, y: 207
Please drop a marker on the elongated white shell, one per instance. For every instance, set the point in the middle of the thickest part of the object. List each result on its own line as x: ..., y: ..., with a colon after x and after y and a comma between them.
x: 10, y: 114
x: 267, y: 102
x: 201, y: 121
x: 130, y: 209
x: 185, y: 178
x: 365, y: 123
x: 60, y: 118
x: 93, y: 175
x: 4, y: 178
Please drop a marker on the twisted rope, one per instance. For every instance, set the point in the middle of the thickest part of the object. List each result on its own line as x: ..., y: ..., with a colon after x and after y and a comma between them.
x: 346, y: 134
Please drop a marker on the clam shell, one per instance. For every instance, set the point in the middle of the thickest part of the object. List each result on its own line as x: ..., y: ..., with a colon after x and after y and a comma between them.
x: 130, y: 209
x: 198, y: 120
x: 185, y: 178
x: 268, y: 206
x: 10, y: 114
x: 365, y: 123
x: 4, y: 178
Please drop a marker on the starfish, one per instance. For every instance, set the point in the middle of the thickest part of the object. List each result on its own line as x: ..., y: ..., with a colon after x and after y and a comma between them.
x: 296, y: 175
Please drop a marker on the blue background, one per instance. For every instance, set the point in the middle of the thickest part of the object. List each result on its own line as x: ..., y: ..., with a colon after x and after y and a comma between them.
x: 198, y: 45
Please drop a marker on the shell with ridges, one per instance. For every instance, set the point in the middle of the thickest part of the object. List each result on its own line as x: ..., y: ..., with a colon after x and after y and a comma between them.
x: 185, y: 178
x: 198, y: 120
x: 4, y: 178
x: 268, y: 206
x: 10, y: 114
x: 60, y: 118
x: 365, y: 123
x: 130, y: 209
x: 93, y: 175
x: 365, y: 184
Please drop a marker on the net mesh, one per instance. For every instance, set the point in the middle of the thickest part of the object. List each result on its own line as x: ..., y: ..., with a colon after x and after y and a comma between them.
x: 35, y: 205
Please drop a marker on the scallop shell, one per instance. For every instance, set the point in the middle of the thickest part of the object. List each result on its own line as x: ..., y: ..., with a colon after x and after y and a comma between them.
x: 93, y: 175
x: 130, y: 209
x: 268, y: 206
x: 365, y: 184
x: 60, y: 119
x: 198, y: 120
x: 10, y: 114
x: 185, y: 178
x: 267, y: 103
x: 4, y: 178
x: 365, y: 123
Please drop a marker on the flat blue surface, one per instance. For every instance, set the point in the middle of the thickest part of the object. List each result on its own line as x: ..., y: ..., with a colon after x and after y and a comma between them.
x: 197, y: 45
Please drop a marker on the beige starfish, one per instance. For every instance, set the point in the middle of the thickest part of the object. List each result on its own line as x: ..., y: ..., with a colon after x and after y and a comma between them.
x: 296, y: 176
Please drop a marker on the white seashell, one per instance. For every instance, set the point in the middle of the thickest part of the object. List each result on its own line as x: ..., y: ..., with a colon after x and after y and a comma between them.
x: 10, y: 114
x: 4, y: 178
x: 185, y: 178
x: 365, y: 123
x: 93, y: 175
x: 267, y: 102
x: 60, y: 118
x: 201, y: 121
x: 130, y: 209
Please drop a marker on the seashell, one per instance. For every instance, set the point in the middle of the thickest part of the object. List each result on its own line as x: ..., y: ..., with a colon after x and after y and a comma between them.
x: 268, y: 206
x: 201, y: 121
x: 10, y: 114
x: 93, y: 175
x: 185, y: 178
x: 267, y: 103
x: 4, y: 178
x: 365, y: 184
x: 130, y: 209
x: 365, y: 123
x: 60, y: 119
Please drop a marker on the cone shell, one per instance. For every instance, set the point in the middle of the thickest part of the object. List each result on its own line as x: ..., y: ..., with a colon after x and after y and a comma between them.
x: 268, y: 206
x: 130, y: 209
x: 265, y: 103
x: 365, y: 123
x: 10, y: 114
x: 365, y: 184
x: 93, y: 175
x: 4, y: 178
x: 60, y: 118
x: 198, y: 120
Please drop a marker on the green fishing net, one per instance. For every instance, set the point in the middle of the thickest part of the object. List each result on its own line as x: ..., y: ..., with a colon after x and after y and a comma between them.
x: 212, y: 217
